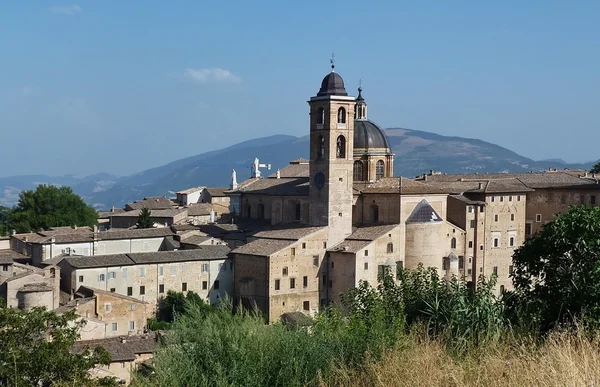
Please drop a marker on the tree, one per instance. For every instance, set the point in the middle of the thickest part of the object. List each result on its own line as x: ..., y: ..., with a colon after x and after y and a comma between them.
x: 4, y: 212
x: 557, y: 273
x: 35, y: 350
x: 596, y: 168
x: 175, y: 304
x: 50, y: 206
x: 144, y: 220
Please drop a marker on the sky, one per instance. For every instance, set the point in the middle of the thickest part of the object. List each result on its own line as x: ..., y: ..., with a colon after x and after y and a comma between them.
x: 123, y: 86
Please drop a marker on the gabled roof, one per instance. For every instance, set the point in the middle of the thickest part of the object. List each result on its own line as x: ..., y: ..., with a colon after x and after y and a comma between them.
x: 362, y: 237
x: 216, y: 192
x: 151, y: 203
x: 264, y: 247
x: 88, y: 291
x: 190, y: 190
x: 120, y: 348
x: 299, y: 169
x: 289, y: 232
x: 424, y: 213
x: 403, y: 186
x: 288, y: 186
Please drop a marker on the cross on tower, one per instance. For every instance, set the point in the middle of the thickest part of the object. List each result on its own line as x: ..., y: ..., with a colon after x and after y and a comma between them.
x: 332, y: 61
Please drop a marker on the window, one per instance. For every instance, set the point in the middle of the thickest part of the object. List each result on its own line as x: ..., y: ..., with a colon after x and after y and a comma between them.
x: 495, y: 242
x: 231, y: 266
x: 469, y: 209
x: 400, y: 264
x: 501, y: 288
x: 374, y: 213
x: 472, y: 224
x: 511, y: 241
x: 470, y: 244
x: 512, y: 217
x: 112, y: 290
x: 303, y: 245
x: 306, y: 305
x: 142, y: 271
x: 80, y: 277
x: 496, y: 218
x: 321, y: 116
x: 538, y: 218
x: 130, y: 291
x: 261, y: 211
x: 461, y: 262
x: 107, y: 307
x: 340, y: 152
x: 453, y: 243
x: 132, y: 325
x: 315, y: 260
x: 480, y: 247
x: 249, y: 211
x: 480, y: 208
x: 305, y: 281
x: 293, y: 251
x: 161, y: 270
x: 357, y: 171
x: 161, y: 288
x: 184, y: 267
x: 527, y: 228
x: 501, y: 198
x: 445, y: 263
x: 216, y: 285
x: 324, y: 279
x: 142, y: 290
x: 332, y: 264
x: 101, y: 278
x: 204, y: 285
x: 132, y: 307
x: 510, y: 198
x: 510, y: 269
x: 284, y: 271
x: 298, y: 211
x: 495, y: 270
x: 204, y: 267
x: 366, y: 253
x: 292, y: 283
x: 124, y: 273
x: 146, y: 246
x: 341, y: 115
x: 173, y: 269
x: 320, y: 150
x: 593, y: 199
x: 469, y: 271
x: 390, y: 248
x: 184, y: 286
x: 493, y: 198
x: 366, y: 265
x: 114, y: 327
x: 112, y: 275
x: 379, y: 169
x: 122, y: 364
x: 324, y: 245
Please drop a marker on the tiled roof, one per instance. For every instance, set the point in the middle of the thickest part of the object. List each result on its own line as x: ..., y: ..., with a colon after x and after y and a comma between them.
x: 120, y: 348
x: 467, y: 200
x: 99, y: 261
x: 108, y: 214
x: 290, y: 232
x: 293, y: 170
x: 88, y: 291
x: 88, y: 236
x: 190, y: 190
x: 264, y: 247
x: 195, y: 239
x: 402, y: 186
x: 155, y: 213
x: 151, y: 203
x: 362, y: 237
x: 9, y: 256
x: 350, y: 246
x: 72, y: 304
x: 35, y: 288
x: 423, y: 213
x: 280, y: 187
x: 199, y: 209
x: 216, y: 192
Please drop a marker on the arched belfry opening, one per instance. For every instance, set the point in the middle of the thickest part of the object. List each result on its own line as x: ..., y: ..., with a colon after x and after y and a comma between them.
x: 341, y: 115
x: 341, y: 148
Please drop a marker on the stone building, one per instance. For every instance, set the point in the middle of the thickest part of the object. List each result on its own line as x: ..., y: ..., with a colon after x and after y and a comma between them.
x: 357, y: 220
x: 24, y: 286
x: 206, y: 270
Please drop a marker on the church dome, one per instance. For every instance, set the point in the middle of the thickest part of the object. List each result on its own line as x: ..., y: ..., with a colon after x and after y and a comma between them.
x: 332, y: 84
x: 369, y: 135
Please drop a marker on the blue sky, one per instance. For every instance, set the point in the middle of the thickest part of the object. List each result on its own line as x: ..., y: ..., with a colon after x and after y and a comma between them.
x: 121, y: 86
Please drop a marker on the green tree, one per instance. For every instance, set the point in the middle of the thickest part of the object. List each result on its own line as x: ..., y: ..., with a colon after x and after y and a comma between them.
x: 596, y: 168
x: 50, y: 206
x: 557, y: 273
x: 144, y: 220
x: 4, y: 212
x: 35, y: 350
x: 175, y: 304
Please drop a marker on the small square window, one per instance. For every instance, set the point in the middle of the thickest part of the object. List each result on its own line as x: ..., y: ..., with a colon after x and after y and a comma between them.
x: 538, y: 218
x: 107, y: 307
x: 132, y: 307
x: 204, y: 268
x: 493, y: 198
x: 324, y: 245
x: 469, y: 271
x: 101, y: 278
x: 481, y: 269
x: 480, y: 208
x: 130, y: 291
x: 303, y: 245
x: 216, y: 285
x: 277, y: 284
x: 132, y: 325
x: 495, y: 242
x: 161, y: 288
x: 204, y: 285
x: 470, y: 209
x: 472, y: 224
x: 142, y: 271
x: 480, y: 247
x: 501, y: 198
x: 511, y: 241
x: 80, y: 278
x: 306, y: 305
x: 305, y: 281
x: 366, y: 253
x: 112, y: 290
x: 510, y: 198
x: 122, y: 364
x: 366, y: 265
x: 292, y: 283
x: 293, y: 251
x: 114, y: 327
x: 496, y: 218
x: 470, y: 244
x: 142, y: 290
x: 512, y: 217
x: 495, y: 270
x: 184, y: 286
x: 284, y: 271
x: 315, y: 260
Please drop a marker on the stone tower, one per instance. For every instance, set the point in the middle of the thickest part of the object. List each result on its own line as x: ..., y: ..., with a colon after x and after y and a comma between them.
x: 331, y: 158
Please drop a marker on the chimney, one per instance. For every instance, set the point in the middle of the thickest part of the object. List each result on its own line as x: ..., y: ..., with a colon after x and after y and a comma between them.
x: 278, y: 174
x: 431, y: 171
x: 113, y: 209
x: 123, y: 340
x: 53, y: 240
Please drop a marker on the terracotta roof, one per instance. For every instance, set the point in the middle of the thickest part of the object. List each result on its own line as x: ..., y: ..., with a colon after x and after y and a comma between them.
x: 293, y: 170
x: 190, y: 190
x: 402, y: 186
x: 280, y: 187
x: 151, y: 203
x: 120, y: 348
x: 216, y: 192
x: 264, y: 247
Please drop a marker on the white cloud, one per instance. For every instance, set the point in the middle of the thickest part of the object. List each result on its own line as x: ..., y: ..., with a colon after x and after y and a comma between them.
x: 66, y: 9
x: 211, y: 75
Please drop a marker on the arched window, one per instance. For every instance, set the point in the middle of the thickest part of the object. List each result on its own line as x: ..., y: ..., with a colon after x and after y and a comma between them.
x: 320, y: 147
x: 261, y: 211
x: 390, y: 248
x: 341, y: 116
x: 375, y: 213
x: 358, y: 171
x: 453, y: 243
x: 379, y: 170
x: 341, y: 147
x: 52, y: 272
x: 284, y: 271
x: 321, y: 116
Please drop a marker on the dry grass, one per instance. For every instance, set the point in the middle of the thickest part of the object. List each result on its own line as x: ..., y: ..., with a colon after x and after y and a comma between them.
x: 565, y: 359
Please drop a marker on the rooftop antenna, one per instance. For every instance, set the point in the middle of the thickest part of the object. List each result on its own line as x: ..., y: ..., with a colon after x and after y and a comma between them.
x: 332, y: 61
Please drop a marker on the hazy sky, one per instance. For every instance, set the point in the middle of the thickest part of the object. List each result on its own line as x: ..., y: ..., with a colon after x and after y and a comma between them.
x: 121, y: 86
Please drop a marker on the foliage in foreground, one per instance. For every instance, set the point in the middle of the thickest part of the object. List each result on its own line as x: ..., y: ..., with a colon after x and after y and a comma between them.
x: 35, y: 350
x: 50, y: 206
x: 144, y: 219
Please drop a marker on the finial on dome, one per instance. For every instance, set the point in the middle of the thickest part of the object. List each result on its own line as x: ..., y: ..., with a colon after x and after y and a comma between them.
x: 332, y: 61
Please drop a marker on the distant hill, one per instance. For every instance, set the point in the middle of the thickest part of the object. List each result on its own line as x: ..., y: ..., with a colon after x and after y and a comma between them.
x: 416, y: 152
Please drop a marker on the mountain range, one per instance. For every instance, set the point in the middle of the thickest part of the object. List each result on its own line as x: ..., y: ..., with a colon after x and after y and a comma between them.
x: 416, y: 152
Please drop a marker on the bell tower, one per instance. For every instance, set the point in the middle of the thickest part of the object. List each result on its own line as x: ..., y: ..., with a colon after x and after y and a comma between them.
x: 331, y: 157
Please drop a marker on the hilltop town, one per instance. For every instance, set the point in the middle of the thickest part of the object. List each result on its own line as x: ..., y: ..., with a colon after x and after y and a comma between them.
x: 289, y: 243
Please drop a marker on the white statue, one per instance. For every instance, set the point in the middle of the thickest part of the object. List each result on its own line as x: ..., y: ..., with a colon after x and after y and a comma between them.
x: 234, y: 183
